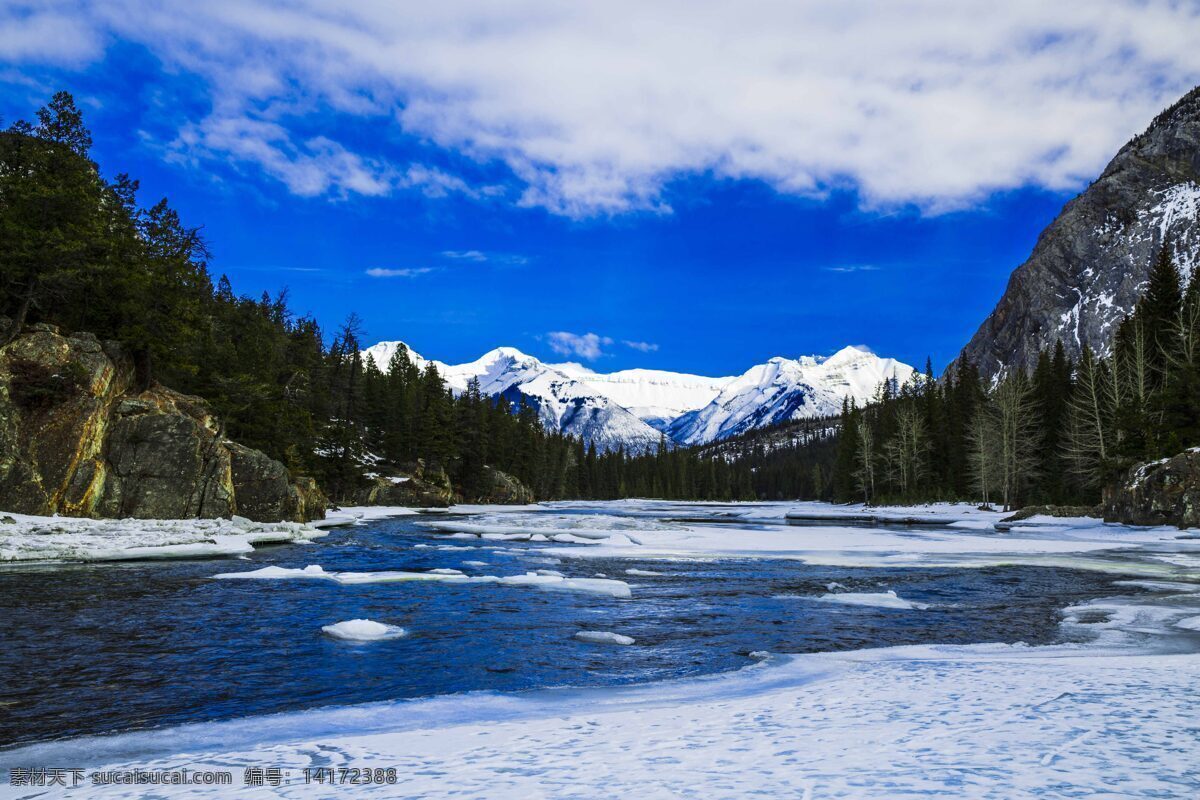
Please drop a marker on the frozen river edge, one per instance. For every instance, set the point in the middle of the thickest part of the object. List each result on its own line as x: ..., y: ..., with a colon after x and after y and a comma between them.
x: 1114, y: 717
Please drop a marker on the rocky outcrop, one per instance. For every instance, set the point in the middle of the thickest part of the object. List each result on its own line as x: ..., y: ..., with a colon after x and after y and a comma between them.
x: 76, y: 440
x: 1089, y: 267
x: 265, y: 491
x: 505, y: 489
x: 412, y: 485
x: 1164, y: 492
x: 1053, y: 511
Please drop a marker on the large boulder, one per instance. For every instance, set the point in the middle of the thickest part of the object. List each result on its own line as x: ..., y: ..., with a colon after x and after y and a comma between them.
x: 505, y: 489
x: 76, y: 440
x: 265, y: 491
x: 1164, y: 492
x: 412, y: 485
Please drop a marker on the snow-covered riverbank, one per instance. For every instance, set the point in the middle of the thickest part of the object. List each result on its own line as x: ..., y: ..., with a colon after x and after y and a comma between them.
x: 971, y: 721
x: 27, y: 538
x: 1111, y: 713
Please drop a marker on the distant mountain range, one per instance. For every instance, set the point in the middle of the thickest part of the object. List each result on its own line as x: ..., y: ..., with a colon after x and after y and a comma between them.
x: 1090, y: 265
x: 634, y: 408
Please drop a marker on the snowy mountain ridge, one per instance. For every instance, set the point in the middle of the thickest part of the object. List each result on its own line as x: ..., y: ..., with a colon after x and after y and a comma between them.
x: 785, y: 389
x: 634, y: 407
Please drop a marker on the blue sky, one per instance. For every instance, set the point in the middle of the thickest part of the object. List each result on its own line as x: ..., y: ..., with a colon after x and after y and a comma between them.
x: 698, y: 191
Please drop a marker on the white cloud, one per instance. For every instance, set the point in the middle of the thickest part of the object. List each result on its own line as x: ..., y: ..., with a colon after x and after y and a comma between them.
x: 643, y: 347
x: 478, y: 256
x: 380, y: 272
x: 596, y: 106
x: 465, y: 255
x: 852, y: 268
x: 588, y: 346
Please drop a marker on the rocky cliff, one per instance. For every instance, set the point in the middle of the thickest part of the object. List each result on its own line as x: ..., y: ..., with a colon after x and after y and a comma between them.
x: 1090, y: 265
x: 1165, y: 492
x: 77, y: 440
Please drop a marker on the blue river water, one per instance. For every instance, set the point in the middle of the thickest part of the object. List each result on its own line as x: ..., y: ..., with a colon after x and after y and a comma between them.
x: 91, y: 649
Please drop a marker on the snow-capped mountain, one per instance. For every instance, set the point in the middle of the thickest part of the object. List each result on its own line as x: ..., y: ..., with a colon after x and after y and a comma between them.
x: 632, y: 408
x: 786, y: 389
x: 562, y: 402
x: 653, y: 395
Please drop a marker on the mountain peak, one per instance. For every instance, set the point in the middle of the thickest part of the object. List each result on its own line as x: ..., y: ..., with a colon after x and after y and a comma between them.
x: 850, y: 353
x: 1089, y: 266
x: 381, y: 353
x: 631, y: 408
x: 506, y: 353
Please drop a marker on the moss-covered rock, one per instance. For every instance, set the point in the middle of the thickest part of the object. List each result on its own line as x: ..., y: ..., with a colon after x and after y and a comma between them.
x: 75, y: 440
x: 1164, y: 492
x: 414, y: 485
x: 505, y: 489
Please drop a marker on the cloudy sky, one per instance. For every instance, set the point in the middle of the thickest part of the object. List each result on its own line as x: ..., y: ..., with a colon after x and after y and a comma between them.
x: 689, y: 185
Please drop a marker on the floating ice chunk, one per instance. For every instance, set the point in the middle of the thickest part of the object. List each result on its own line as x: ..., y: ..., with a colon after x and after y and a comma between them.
x: 475, y: 563
x: 604, y: 637
x: 835, y: 586
x: 642, y: 572
x: 363, y: 630
x: 759, y: 655
x: 549, y: 572
x: 887, y: 599
x: 1190, y: 623
x: 570, y: 538
x: 311, y: 571
x: 446, y: 571
x: 608, y: 588
x: 1161, y: 586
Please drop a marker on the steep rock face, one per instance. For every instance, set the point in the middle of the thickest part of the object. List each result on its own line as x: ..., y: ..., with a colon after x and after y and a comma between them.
x: 75, y: 440
x: 1165, y: 492
x: 166, y: 459
x: 264, y: 490
x: 1090, y: 265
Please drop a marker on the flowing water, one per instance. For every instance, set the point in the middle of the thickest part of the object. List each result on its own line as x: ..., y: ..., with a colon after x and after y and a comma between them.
x: 104, y: 648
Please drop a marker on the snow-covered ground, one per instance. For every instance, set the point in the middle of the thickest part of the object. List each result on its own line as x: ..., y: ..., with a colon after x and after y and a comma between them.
x: 29, y: 538
x: 1112, y: 714
x: 963, y: 536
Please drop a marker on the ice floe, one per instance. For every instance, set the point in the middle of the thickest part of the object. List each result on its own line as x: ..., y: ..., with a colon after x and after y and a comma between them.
x: 31, y: 538
x: 888, y: 599
x: 604, y: 637
x: 363, y: 630
x: 609, y: 588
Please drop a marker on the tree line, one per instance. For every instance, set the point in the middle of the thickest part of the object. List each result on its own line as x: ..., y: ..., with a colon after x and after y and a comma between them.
x: 79, y: 251
x: 1056, y: 435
